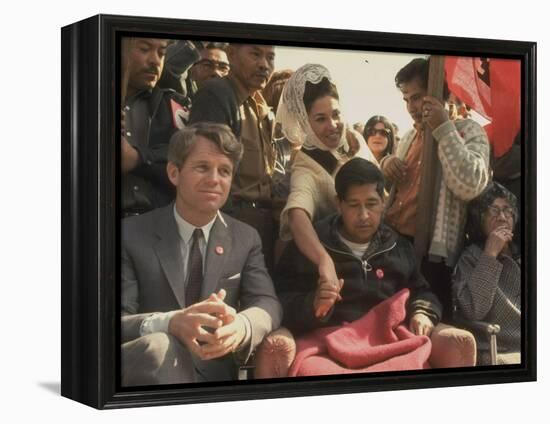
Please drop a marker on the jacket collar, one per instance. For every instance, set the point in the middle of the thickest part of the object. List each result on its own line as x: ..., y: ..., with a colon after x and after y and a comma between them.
x: 243, y: 95
x: 153, y: 97
x: 327, y: 230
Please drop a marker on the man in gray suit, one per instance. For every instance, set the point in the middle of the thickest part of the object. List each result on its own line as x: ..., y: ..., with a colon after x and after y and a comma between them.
x: 196, y: 296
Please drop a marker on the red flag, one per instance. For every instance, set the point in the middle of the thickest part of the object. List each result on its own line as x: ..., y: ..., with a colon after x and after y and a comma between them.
x: 492, y: 87
x: 467, y: 78
x: 505, y: 77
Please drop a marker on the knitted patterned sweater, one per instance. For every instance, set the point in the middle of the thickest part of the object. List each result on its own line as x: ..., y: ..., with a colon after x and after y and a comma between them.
x: 462, y: 174
x: 489, y: 289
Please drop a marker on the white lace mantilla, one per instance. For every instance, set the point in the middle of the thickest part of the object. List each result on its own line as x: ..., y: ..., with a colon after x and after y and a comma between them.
x: 292, y: 114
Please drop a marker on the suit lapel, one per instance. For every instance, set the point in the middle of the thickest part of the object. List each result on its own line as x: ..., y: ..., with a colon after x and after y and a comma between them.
x: 169, y: 253
x: 217, y: 252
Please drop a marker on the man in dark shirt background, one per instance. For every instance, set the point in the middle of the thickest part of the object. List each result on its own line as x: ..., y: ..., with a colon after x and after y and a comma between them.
x: 150, y: 116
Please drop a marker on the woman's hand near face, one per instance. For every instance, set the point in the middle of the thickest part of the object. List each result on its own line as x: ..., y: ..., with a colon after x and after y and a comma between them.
x: 497, y: 240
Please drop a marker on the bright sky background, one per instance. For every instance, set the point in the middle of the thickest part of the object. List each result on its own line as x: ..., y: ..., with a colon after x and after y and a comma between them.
x: 365, y: 88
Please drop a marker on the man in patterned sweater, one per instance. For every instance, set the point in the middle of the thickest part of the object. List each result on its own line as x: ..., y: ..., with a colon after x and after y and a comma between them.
x: 462, y: 174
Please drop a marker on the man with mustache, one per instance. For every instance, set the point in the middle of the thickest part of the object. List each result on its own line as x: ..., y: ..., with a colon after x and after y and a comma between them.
x: 236, y: 101
x: 213, y: 63
x: 149, y: 118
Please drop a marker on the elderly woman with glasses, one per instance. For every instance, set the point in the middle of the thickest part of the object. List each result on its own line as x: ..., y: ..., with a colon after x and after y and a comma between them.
x: 487, y: 278
x: 379, y: 134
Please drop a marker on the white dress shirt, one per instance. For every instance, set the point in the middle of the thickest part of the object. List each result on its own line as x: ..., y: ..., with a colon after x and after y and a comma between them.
x: 159, y: 321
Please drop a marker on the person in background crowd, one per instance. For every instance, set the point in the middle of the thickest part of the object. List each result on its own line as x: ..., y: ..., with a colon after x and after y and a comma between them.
x: 213, y: 63
x: 359, y: 127
x: 236, y: 101
x: 180, y: 56
x: 274, y: 87
x: 285, y: 153
x: 379, y: 136
x: 149, y: 118
x: 457, y: 108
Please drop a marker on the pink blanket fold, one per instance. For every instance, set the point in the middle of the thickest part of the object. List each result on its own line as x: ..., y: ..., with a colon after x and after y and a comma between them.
x: 378, y: 341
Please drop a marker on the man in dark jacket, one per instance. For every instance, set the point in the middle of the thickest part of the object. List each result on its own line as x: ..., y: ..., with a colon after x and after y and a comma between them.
x: 373, y: 261
x: 150, y: 116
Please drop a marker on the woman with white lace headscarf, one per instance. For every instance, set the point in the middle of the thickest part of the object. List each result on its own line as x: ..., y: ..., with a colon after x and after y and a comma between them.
x: 309, y: 115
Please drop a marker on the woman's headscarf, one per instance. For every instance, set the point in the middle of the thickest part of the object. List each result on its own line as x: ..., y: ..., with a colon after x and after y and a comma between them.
x: 292, y: 114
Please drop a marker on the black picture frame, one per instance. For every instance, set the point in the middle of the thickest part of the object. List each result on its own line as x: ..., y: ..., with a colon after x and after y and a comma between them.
x: 91, y: 222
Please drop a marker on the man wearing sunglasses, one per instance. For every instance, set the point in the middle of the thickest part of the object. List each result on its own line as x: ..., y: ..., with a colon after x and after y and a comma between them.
x: 212, y: 64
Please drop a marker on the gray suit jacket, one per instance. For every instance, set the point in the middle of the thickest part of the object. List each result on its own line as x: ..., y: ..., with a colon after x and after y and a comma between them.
x: 153, y: 280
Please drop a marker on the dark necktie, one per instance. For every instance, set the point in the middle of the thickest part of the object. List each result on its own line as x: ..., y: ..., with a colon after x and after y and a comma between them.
x: 194, y: 276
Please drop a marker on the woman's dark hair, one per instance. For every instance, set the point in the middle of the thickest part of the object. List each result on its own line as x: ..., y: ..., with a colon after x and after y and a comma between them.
x: 387, y: 124
x: 358, y: 171
x: 313, y: 92
x: 479, y: 206
x: 418, y: 68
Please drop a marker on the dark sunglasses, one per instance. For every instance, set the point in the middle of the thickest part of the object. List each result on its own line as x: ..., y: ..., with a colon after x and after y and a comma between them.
x: 383, y: 132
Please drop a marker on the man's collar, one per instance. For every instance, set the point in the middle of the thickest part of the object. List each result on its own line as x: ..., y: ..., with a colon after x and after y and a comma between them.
x: 383, y: 238
x: 419, y: 127
x: 142, y: 94
x: 241, y: 91
x: 186, y: 229
x: 243, y: 95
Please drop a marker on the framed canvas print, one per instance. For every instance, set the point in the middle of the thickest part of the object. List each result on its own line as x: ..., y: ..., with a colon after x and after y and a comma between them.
x: 254, y: 211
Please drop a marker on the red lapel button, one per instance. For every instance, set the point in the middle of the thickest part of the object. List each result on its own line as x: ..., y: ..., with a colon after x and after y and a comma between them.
x: 219, y: 250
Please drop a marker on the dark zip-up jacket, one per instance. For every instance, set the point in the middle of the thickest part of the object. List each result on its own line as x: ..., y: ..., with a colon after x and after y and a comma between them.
x: 387, y: 266
x: 149, y: 127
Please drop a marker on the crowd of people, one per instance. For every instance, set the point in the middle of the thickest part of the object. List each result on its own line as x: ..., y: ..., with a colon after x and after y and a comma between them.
x: 259, y: 227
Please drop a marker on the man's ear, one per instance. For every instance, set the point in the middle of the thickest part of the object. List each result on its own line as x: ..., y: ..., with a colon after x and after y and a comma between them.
x: 173, y: 173
x: 338, y: 207
x: 230, y: 52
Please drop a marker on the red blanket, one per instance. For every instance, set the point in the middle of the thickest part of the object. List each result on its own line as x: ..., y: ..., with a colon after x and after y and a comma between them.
x: 378, y: 341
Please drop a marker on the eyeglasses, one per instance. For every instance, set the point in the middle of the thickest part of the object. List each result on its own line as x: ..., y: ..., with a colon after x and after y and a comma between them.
x: 496, y: 211
x: 383, y: 132
x: 214, y: 64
